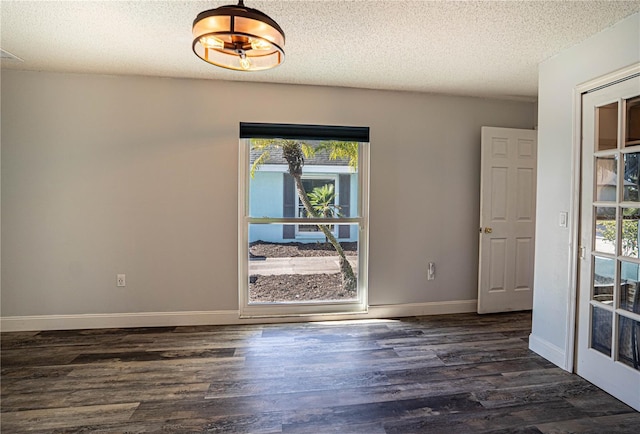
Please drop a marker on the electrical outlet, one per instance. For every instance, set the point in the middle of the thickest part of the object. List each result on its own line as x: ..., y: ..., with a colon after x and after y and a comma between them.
x: 431, y: 271
x: 121, y: 280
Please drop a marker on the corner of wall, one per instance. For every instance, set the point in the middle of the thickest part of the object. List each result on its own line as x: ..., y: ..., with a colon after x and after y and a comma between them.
x: 549, y: 351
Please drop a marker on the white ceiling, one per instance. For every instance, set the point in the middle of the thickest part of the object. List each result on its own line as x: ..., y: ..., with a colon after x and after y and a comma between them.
x: 478, y: 48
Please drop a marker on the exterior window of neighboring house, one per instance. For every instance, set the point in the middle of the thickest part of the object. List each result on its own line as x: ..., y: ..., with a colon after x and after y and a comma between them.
x: 303, y: 213
x: 309, y: 185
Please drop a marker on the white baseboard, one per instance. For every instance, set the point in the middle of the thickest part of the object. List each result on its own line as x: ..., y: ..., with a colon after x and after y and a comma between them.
x: 115, y: 320
x: 549, y: 351
x: 222, y: 317
x: 418, y: 309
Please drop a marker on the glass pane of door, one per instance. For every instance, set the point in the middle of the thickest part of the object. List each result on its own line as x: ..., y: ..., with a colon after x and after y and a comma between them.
x: 628, y: 347
x: 629, y: 240
x: 631, y: 177
x: 606, y: 178
x: 629, y: 286
x: 632, y: 132
x: 603, y: 279
x: 607, y: 127
x: 601, y: 327
x: 605, y: 230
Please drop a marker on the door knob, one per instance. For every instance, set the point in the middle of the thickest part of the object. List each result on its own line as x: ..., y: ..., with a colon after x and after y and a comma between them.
x: 488, y: 230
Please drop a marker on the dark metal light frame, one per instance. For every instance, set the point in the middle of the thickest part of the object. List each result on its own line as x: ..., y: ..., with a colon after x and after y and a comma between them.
x: 239, y: 38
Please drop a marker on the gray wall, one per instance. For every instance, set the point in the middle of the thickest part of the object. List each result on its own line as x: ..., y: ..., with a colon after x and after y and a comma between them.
x: 104, y: 175
x: 612, y: 49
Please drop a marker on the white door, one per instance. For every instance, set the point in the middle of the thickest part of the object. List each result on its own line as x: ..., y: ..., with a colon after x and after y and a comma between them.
x: 507, y: 219
x: 608, y: 302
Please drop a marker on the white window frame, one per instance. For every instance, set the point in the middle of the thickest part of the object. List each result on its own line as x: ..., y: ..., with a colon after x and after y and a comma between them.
x: 304, y: 309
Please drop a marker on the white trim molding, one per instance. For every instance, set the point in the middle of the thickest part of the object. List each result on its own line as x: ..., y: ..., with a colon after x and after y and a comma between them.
x: 420, y: 309
x: 115, y: 320
x: 549, y: 351
x: 221, y: 317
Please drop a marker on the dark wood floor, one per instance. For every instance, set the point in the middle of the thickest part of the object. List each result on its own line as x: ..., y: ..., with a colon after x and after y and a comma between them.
x: 441, y: 374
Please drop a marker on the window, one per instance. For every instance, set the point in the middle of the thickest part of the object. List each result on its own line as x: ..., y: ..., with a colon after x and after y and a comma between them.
x: 303, y: 219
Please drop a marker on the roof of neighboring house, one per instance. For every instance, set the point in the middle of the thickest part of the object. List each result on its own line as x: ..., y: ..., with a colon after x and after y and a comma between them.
x: 320, y: 159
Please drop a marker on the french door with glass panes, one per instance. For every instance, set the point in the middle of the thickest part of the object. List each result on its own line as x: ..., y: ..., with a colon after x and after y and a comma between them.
x: 608, y: 344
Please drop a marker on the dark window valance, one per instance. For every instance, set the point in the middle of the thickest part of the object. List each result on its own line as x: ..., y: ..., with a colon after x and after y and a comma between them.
x: 303, y: 132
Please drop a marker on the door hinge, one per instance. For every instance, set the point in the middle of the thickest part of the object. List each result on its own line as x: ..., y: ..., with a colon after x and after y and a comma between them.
x: 582, y: 252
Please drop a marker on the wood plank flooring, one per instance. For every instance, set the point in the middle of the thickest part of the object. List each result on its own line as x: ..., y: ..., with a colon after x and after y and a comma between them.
x: 440, y: 374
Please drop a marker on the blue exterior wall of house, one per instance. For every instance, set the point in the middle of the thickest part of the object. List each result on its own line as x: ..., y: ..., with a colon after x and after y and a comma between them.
x: 266, y: 194
x: 266, y: 201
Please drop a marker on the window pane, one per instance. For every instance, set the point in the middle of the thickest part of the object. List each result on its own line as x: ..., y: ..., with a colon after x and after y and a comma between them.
x: 629, y: 342
x: 629, y: 287
x: 633, y: 122
x: 295, y: 272
x: 631, y: 177
x: 327, y: 172
x: 606, y: 178
x: 630, y: 219
x: 603, y: 279
x: 607, y: 122
x: 601, y: 326
x: 605, y: 230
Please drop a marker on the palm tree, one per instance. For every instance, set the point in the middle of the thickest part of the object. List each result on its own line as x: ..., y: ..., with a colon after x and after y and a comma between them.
x: 294, y: 153
x: 323, y: 201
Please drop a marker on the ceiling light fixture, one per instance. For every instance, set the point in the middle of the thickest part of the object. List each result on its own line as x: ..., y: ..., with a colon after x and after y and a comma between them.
x: 238, y: 38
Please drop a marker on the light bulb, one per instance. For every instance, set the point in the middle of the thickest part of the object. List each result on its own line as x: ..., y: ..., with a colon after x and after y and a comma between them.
x: 212, y: 42
x: 260, y: 44
x: 245, y: 63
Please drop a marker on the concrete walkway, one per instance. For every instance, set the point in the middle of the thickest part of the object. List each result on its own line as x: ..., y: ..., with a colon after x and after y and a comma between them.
x: 306, y: 265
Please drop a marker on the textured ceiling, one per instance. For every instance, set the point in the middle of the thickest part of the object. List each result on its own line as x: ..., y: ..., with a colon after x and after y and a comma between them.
x: 478, y: 48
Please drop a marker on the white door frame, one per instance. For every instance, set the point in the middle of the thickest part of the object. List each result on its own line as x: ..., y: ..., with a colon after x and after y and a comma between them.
x: 574, y: 205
